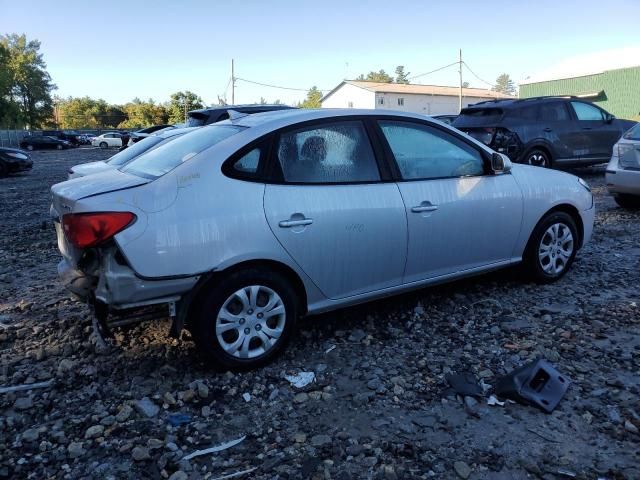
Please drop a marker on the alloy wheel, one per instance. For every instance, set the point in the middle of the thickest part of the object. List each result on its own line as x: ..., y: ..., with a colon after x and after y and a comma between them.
x: 555, y: 249
x: 250, y: 322
x: 538, y: 159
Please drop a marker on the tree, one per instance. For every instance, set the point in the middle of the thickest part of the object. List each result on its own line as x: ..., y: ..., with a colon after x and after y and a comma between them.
x: 30, y: 83
x: 465, y: 84
x: 313, y: 99
x: 9, y: 109
x: 401, y: 76
x: 85, y: 112
x: 143, y: 114
x: 182, y: 102
x: 504, y: 84
x: 380, y: 77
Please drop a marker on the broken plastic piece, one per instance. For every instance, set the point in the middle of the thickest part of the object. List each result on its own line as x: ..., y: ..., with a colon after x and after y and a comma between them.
x: 536, y: 383
x: 493, y: 400
x: 301, y: 379
x: 464, y: 384
x: 28, y: 386
x: 217, y: 448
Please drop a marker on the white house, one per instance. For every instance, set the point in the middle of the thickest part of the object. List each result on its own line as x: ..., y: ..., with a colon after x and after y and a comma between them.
x: 425, y: 99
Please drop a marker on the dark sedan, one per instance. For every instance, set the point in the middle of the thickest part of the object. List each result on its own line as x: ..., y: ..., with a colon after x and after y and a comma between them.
x: 43, y: 142
x: 13, y: 160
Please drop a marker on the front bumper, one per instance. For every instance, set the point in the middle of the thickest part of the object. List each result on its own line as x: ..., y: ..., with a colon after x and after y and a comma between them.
x: 588, y: 217
x: 20, y: 166
x: 622, y: 181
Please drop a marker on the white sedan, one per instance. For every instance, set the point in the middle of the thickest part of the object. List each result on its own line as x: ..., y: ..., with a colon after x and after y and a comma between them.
x: 239, y: 227
x: 107, y: 140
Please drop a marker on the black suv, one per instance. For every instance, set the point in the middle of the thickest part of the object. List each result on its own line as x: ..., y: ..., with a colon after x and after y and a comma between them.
x: 544, y: 131
x: 205, y: 116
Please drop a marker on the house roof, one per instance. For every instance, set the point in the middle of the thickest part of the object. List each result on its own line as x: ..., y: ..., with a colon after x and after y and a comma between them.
x: 417, y: 89
x: 589, y: 64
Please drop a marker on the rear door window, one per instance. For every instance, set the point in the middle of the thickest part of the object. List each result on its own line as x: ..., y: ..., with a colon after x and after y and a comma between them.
x: 157, y: 162
x: 554, y: 112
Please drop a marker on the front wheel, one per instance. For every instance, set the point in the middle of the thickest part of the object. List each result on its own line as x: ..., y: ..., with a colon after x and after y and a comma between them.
x: 552, y: 247
x: 538, y: 158
x: 631, y: 202
x: 245, y: 320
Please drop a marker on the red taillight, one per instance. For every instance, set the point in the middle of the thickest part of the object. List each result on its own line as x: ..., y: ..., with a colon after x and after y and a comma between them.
x: 90, y: 229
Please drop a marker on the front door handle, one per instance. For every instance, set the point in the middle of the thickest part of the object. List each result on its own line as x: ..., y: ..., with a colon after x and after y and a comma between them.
x: 425, y: 207
x: 295, y: 223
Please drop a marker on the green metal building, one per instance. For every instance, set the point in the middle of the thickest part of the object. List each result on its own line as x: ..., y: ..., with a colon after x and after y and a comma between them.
x: 617, y: 91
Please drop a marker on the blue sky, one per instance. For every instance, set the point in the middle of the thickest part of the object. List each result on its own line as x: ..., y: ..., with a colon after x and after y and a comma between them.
x: 119, y: 50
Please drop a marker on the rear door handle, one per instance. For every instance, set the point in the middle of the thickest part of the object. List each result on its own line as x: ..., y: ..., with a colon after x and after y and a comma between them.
x: 424, y: 208
x: 295, y: 223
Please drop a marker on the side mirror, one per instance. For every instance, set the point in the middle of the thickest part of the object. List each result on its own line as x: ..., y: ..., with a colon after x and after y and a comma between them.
x: 500, y: 163
x: 608, y: 118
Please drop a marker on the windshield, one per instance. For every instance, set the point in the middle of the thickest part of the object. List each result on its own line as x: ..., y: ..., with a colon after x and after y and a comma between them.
x: 157, y: 162
x: 133, y: 151
x: 634, y: 133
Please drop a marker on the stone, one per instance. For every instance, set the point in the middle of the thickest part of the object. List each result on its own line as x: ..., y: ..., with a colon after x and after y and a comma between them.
x: 300, y: 437
x: 75, y: 450
x: 124, y: 413
x: 23, y: 403
x: 65, y: 366
x: 30, y: 435
x: 94, y: 431
x: 357, y: 336
x: 630, y: 427
x: 462, y: 470
x: 203, y: 390
x: 300, y: 397
x: 140, y: 453
x: 146, y: 407
x: 179, y: 475
x: 320, y: 440
x: 169, y: 399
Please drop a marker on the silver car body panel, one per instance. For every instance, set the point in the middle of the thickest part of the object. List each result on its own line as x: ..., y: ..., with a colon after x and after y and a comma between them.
x: 195, y: 220
x: 621, y: 179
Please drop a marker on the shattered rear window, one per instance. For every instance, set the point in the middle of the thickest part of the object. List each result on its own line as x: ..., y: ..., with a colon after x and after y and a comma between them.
x: 166, y: 157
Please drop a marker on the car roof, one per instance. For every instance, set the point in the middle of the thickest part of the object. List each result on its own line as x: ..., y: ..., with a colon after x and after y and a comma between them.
x: 520, y: 102
x: 173, y: 132
x: 245, y: 108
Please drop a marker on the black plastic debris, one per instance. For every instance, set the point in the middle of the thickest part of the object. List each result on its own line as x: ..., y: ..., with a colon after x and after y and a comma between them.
x: 536, y: 383
x: 465, y: 384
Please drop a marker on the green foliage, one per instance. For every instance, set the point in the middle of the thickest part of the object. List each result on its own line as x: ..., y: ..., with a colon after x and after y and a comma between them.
x: 143, y: 114
x: 465, y: 84
x: 401, y: 76
x: 313, y: 99
x: 85, y: 112
x: 381, y: 77
x: 180, y: 103
x: 504, y: 84
x: 25, y: 85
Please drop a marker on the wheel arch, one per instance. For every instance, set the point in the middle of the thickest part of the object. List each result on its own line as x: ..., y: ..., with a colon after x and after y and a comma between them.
x: 538, y: 145
x: 570, y: 210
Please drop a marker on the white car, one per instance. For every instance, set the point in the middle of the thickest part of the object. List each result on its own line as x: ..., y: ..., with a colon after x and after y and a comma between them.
x: 623, y: 172
x: 237, y: 228
x: 107, y: 140
x: 122, y: 158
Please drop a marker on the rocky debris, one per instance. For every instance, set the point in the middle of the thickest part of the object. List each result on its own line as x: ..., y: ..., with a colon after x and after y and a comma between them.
x: 462, y: 470
x: 377, y: 407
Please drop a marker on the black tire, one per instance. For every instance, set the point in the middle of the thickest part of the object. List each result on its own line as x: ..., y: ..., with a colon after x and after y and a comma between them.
x: 210, y: 302
x: 538, y: 158
x: 104, y: 145
x: 534, y: 265
x: 4, y: 170
x: 631, y: 202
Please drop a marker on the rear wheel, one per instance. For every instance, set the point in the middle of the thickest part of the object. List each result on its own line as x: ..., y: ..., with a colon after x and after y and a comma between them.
x: 628, y: 201
x: 552, y: 247
x: 246, y: 320
x: 104, y: 145
x: 538, y: 158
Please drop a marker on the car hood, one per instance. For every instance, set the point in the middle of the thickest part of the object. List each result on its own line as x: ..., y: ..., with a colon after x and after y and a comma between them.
x: 13, y: 150
x: 91, y: 168
x: 65, y: 194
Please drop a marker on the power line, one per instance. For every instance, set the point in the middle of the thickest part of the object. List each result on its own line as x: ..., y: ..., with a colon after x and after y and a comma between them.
x: 433, y: 71
x: 474, y: 74
x: 278, y: 86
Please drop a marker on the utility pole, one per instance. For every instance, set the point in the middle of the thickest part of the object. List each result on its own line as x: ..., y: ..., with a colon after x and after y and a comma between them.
x: 460, y: 91
x: 233, y: 85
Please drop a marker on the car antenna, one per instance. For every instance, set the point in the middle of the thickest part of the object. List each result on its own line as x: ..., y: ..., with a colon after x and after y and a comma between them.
x: 234, y: 115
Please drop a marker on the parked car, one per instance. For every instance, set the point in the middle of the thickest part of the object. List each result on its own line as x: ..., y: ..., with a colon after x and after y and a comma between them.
x: 37, y: 142
x: 623, y: 172
x: 107, y: 140
x: 544, y: 131
x: 207, y: 116
x: 239, y: 227
x: 125, y: 156
x: 13, y: 160
x: 69, y: 135
x: 145, y: 132
x: 448, y: 119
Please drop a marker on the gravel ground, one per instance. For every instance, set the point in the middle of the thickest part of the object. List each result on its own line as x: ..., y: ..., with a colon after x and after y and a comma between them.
x: 379, y: 405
